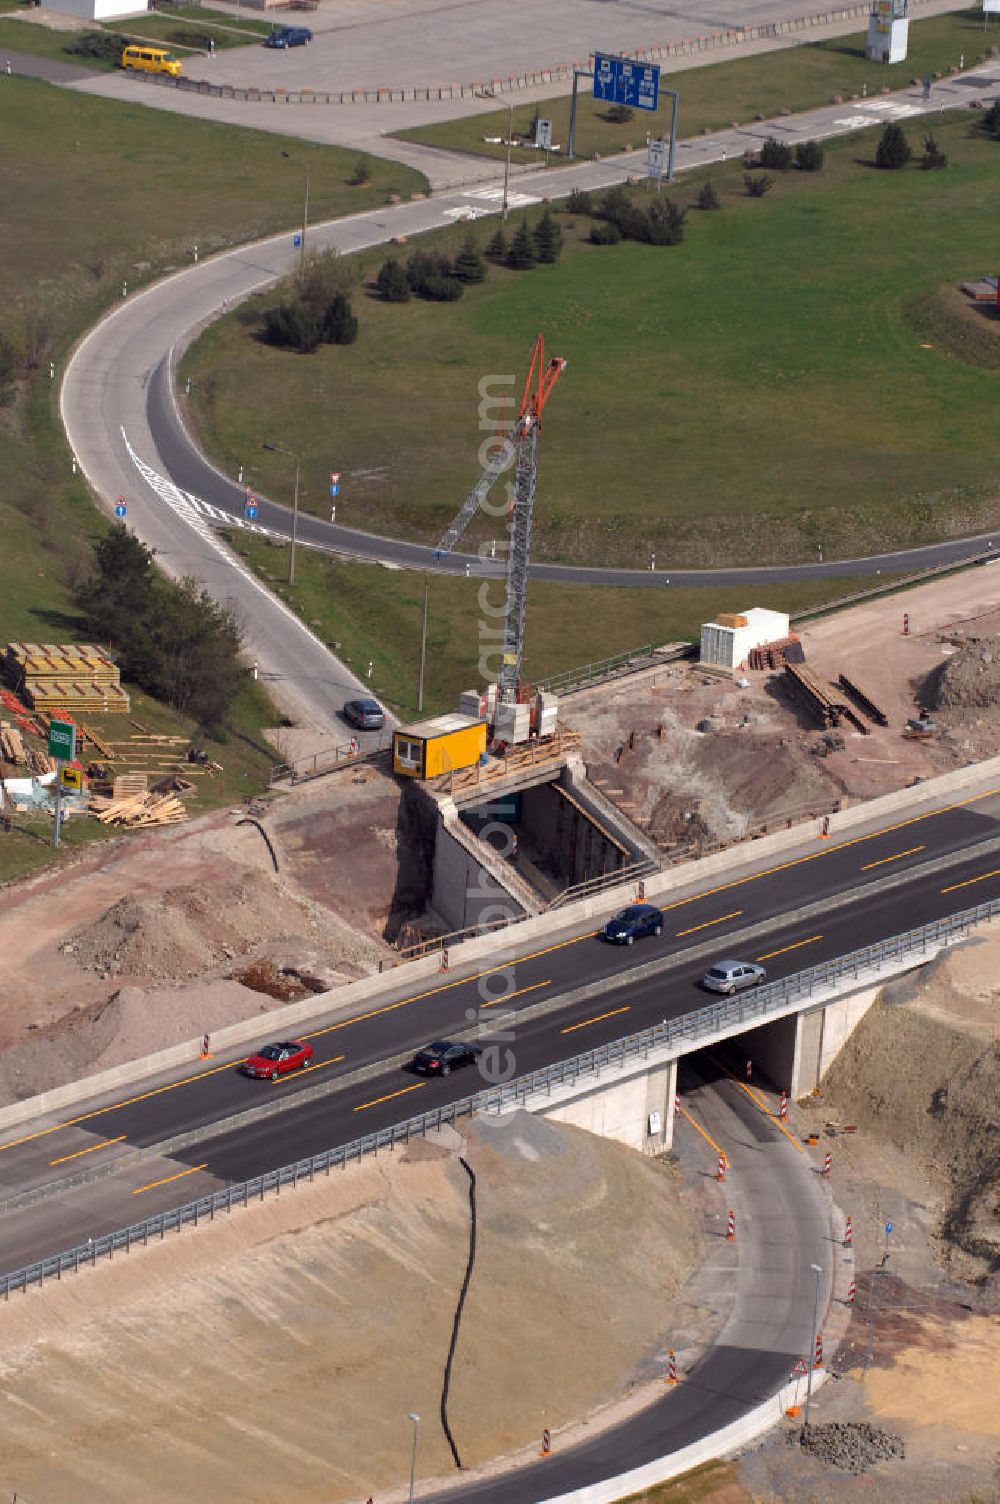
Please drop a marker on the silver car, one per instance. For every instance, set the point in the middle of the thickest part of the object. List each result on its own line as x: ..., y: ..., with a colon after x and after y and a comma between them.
x: 733, y: 976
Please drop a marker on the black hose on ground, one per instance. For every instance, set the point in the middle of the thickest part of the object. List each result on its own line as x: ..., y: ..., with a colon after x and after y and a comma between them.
x: 248, y: 820
x: 458, y: 1310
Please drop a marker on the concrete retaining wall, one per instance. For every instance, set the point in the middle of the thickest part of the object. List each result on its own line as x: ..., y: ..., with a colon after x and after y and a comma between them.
x: 637, y: 1109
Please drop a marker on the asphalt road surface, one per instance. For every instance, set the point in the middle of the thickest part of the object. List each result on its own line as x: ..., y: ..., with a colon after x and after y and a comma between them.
x: 846, y: 887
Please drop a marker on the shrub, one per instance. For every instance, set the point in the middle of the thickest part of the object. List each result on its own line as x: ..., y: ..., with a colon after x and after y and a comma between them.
x: 469, y: 265
x: 991, y: 120
x: 620, y: 114
x: 496, y: 249
x: 108, y: 46
x: 756, y: 187
x: 360, y: 175
x: 579, y: 202
x: 338, y: 325
x: 522, y: 254
x: 708, y: 198
x: 893, y: 151
x: 777, y: 155
x: 809, y: 156
x: 392, y: 282
x: 620, y: 209
x: 665, y: 223
x: 292, y: 326
x: 605, y: 234
x: 430, y: 276
x: 933, y: 156
x: 548, y: 239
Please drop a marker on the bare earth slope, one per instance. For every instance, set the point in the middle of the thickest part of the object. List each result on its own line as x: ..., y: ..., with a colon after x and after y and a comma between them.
x: 305, y: 1330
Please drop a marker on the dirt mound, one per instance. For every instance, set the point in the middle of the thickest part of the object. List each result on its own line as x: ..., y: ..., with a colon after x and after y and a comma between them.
x: 187, y: 931
x: 853, y: 1446
x: 969, y: 679
x: 944, y: 1107
x: 345, y: 1290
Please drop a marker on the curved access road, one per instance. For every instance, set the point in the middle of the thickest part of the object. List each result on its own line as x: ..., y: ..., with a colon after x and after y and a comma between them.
x: 122, y: 420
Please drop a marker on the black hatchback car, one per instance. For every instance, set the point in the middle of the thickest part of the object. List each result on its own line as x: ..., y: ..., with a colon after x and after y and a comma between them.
x: 632, y: 923
x: 367, y: 715
x: 444, y: 1056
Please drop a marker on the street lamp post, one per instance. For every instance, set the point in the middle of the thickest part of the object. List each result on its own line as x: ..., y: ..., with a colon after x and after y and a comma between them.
x: 279, y: 449
x: 489, y: 94
x: 413, y: 1456
x: 811, y: 1360
x: 305, y: 214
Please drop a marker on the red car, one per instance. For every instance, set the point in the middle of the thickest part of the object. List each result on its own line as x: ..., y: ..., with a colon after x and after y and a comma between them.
x: 276, y: 1060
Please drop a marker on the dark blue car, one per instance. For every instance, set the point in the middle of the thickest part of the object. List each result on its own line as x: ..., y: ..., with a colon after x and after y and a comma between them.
x: 289, y: 36
x: 637, y: 920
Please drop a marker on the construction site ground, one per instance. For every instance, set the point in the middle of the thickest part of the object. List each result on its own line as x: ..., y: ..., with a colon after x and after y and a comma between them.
x: 755, y: 764
x: 271, y: 1331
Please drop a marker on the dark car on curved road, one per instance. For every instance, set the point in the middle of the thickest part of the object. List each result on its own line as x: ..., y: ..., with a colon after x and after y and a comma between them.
x: 274, y: 1060
x: 288, y: 36
x: 366, y: 715
x: 632, y: 923
x: 444, y: 1056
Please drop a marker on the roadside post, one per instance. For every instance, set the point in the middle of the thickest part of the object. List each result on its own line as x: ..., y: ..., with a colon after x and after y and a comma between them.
x: 62, y: 746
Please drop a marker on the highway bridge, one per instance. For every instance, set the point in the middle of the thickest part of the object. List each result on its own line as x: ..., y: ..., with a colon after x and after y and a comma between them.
x: 71, y: 1176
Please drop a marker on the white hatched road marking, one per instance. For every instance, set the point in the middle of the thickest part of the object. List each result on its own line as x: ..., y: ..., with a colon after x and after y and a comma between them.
x: 495, y: 196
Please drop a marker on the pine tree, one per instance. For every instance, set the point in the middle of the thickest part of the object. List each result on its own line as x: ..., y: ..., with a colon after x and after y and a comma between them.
x: 548, y: 239
x: 707, y: 197
x: 391, y: 282
x: 496, y: 249
x: 894, y: 151
x: 809, y: 156
x: 469, y: 265
x: 522, y: 256
x: 340, y: 327
x: 933, y: 155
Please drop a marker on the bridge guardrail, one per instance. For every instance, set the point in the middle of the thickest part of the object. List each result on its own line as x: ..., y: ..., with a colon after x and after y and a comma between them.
x: 743, y: 1008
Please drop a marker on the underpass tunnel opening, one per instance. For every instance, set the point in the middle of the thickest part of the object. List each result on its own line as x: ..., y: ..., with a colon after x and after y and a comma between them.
x: 764, y: 1057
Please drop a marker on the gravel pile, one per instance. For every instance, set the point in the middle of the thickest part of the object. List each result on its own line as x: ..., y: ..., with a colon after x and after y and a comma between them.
x: 970, y: 678
x: 852, y: 1446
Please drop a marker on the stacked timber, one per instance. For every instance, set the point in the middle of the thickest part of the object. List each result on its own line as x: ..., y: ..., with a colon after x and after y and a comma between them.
x: 137, y: 810
x: 65, y: 677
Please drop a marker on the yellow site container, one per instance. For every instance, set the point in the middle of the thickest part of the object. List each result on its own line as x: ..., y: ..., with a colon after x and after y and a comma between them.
x: 441, y: 745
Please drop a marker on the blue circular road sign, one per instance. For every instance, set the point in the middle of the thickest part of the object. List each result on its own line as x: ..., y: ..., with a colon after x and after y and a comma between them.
x: 251, y: 513
x: 120, y: 509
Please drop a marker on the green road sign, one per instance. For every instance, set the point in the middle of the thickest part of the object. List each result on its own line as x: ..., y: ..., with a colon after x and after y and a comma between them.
x: 62, y: 740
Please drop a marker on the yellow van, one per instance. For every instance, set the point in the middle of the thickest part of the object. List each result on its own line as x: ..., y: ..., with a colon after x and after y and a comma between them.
x: 151, y: 60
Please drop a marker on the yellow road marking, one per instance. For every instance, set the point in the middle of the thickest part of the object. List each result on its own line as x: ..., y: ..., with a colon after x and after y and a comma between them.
x: 520, y: 960
x: 708, y: 924
x: 911, y: 851
x: 377, y: 1101
x: 758, y: 1101
x: 104, y: 1144
x: 168, y: 1178
x: 970, y: 880
x: 519, y: 993
x: 770, y: 954
x: 572, y: 1028
x: 706, y: 1136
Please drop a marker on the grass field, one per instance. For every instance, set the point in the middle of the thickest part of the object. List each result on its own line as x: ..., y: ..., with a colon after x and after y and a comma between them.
x: 373, y: 615
x: 799, y: 373
x: 181, y: 31
x: 744, y: 89
x: 117, y: 193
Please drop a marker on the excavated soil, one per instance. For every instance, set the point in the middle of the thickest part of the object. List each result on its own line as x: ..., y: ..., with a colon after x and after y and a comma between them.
x: 272, y: 1333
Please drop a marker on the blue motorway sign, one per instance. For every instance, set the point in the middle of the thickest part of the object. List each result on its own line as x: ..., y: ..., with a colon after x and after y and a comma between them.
x: 250, y: 513
x: 120, y: 509
x: 621, y: 80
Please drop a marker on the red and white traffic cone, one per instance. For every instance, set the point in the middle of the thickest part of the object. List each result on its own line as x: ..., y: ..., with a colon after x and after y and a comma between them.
x: 749, y: 1070
x: 444, y: 958
x: 827, y: 1162
x: 677, y: 1103
x: 851, y: 1292
x: 671, y: 1368
x: 906, y: 623
x: 818, y: 1359
x: 731, y: 1228
x: 205, y: 1052
x: 720, y: 1173
x: 546, y: 1444
x: 783, y: 1109
x: 848, y: 1233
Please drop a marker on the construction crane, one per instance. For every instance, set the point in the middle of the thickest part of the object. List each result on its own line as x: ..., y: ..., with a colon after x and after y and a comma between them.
x: 520, y: 445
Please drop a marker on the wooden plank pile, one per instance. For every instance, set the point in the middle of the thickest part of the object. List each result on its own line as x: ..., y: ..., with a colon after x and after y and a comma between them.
x: 135, y: 811
x: 75, y: 677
